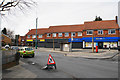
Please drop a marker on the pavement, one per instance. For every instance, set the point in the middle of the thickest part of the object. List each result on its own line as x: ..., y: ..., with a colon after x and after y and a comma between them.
x: 85, y: 53
x: 17, y: 72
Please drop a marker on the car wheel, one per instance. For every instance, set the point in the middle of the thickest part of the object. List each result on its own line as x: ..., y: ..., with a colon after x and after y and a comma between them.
x: 22, y: 56
x: 33, y: 55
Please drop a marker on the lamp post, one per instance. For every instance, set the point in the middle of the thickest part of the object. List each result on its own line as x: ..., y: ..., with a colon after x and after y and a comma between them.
x: 93, y: 43
x: 71, y: 43
x: 53, y: 41
x: 36, y: 34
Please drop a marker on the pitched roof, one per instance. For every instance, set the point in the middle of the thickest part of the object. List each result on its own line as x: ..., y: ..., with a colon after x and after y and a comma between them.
x: 39, y: 31
x: 107, y: 24
x: 65, y: 28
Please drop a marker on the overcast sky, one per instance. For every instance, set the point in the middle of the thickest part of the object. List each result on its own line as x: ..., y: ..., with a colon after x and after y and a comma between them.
x: 59, y: 12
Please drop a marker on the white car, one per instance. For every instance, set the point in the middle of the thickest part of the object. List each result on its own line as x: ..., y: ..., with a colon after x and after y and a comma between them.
x: 7, y: 46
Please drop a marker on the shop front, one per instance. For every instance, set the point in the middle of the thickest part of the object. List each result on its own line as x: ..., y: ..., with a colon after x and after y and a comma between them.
x: 103, y: 42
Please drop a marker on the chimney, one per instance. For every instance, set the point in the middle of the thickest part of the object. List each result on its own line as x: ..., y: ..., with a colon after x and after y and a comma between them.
x: 116, y: 18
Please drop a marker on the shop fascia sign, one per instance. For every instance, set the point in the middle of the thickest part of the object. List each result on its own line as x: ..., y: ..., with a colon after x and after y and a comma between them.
x: 42, y: 40
x: 100, y: 38
x: 29, y: 40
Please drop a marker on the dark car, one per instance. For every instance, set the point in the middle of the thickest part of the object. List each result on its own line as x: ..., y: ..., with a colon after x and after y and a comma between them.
x: 14, y: 48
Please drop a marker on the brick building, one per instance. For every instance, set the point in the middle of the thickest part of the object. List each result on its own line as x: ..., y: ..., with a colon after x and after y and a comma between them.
x: 21, y: 40
x: 105, y: 33
x: 31, y: 37
x: 6, y: 40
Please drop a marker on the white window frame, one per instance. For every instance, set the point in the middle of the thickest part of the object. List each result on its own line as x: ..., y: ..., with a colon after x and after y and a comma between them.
x: 54, y: 34
x: 40, y: 36
x: 28, y: 36
x: 48, y: 34
x: 67, y: 34
x: 109, y: 31
x: 100, y: 32
x: 89, y: 30
x: 72, y: 34
x: 79, y: 33
x: 60, y: 34
x: 33, y: 36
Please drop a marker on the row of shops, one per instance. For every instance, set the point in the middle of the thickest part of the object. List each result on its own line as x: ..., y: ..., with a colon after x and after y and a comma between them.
x: 85, y: 42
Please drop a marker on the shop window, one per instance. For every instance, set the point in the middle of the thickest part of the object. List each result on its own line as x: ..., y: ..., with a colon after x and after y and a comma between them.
x: 60, y: 34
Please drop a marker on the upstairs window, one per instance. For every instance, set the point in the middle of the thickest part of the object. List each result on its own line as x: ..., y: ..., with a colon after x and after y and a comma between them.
x: 73, y: 34
x: 89, y: 32
x: 33, y: 36
x: 111, y: 31
x: 100, y: 32
x: 66, y: 34
x: 54, y: 35
x: 48, y: 34
x: 59, y: 34
x: 28, y: 36
x: 39, y: 36
x: 79, y: 33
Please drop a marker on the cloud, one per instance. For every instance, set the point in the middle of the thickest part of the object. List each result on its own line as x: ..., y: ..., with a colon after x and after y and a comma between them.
x: 79, y: 0
x: 61, y: 13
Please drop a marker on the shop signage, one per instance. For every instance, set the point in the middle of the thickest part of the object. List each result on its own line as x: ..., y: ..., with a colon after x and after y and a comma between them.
x: 42, y: 40
x: 30, y: 40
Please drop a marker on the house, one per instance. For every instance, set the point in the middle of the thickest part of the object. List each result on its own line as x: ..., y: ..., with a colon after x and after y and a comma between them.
x: 6, y: 40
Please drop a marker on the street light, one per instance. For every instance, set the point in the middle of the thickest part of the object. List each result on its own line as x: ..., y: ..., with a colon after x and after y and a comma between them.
x: 93, y: 43
x: 71, y: 43
x: 36, y: 34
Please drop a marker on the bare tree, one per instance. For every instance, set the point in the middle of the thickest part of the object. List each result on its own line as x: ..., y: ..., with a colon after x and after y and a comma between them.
x: 6, y: 5
x: 10, y: 33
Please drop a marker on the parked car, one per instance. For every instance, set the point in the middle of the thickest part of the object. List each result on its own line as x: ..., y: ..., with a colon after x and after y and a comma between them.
x: 26, y: 51
x: 14, y: 47
x: 7, y: 46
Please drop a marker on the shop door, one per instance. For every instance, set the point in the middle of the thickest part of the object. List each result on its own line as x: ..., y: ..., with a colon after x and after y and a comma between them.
x: 100, y: 45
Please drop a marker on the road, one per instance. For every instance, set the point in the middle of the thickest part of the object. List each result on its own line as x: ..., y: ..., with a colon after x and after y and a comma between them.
x: 70, y: 67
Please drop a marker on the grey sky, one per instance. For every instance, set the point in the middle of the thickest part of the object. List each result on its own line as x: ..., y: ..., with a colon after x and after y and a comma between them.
x: 60, y: 12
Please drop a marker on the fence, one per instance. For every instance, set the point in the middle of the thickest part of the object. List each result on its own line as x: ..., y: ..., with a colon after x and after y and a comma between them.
x: 9, y: 58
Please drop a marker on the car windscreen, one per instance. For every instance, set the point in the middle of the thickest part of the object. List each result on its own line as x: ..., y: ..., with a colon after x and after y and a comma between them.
x: 28, y: 49
x: 21, y: 49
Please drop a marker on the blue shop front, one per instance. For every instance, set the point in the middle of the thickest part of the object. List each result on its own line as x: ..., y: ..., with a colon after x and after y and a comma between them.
x: 103, y: 42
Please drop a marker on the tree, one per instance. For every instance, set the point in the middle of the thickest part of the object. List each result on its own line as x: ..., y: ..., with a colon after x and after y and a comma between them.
x: 4, y: 31
x: 10, y: 33
x: 6, y: 5
x: 98, y: 19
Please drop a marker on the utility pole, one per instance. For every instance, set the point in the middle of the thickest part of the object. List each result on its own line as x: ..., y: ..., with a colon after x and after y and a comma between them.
x: 36, y: 33
x: 53, y: 44
x: 71, y: 43
x: 93, y: 43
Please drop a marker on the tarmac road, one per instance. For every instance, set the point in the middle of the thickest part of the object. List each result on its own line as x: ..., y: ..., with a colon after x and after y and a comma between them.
x: 70, y: 67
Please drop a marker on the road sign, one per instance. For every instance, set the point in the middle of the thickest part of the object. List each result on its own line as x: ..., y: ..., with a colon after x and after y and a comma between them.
x: 50, y: 60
